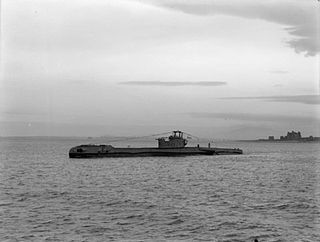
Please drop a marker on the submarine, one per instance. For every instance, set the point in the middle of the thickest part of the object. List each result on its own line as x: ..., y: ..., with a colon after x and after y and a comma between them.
x: 174, y: 145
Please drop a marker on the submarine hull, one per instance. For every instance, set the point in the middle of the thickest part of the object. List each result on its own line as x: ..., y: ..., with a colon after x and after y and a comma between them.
x: 100, y: 151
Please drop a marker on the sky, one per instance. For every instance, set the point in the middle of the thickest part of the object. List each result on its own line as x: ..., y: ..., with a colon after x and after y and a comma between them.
x: 237, y: 69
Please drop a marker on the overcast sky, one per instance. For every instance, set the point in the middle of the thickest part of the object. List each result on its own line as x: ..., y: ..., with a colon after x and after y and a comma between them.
x: 214, y: 68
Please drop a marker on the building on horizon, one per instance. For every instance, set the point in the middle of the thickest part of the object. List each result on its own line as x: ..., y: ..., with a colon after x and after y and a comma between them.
x: 291, y: 136
x: 271, y: 138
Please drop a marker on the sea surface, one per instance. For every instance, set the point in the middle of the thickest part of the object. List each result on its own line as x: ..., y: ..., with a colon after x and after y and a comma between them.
x: 271, y: 193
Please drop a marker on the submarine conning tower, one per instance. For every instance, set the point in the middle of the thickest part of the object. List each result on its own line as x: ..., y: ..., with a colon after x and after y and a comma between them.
x: 175, y: 140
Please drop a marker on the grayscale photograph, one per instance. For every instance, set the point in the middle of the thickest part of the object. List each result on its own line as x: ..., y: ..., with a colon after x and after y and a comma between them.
x: 160, y: 120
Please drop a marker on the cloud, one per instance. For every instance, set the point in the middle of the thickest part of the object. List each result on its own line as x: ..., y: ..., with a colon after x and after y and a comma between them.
x: 279, y: 72
x: 161, y: 83
x: 254, y: 117
x: 304, y: 99
x: 278, y: 85
x: 299, y: 18
x: 36, y: 113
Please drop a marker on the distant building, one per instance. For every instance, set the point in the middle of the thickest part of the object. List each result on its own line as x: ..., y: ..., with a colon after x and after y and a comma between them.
x: 311, y: 138
x: 292, y: 136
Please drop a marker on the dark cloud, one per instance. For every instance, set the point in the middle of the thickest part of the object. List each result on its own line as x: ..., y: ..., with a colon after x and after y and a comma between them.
x: 298, y: 17
x: 161, y: 83
x: 250, y: 117
x: 305, y: 99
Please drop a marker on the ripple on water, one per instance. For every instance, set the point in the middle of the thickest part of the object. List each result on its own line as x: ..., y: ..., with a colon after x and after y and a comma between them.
x: 267, y: 193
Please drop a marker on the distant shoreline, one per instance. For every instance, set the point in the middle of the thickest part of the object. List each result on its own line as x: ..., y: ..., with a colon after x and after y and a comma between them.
x: 122, y: 138
x: 281, y: 141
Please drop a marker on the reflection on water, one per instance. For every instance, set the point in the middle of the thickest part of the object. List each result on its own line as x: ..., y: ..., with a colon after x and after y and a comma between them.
x: 270, y: 193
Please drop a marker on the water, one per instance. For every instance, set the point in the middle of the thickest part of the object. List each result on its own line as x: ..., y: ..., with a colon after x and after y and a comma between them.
x: 270, y: 193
